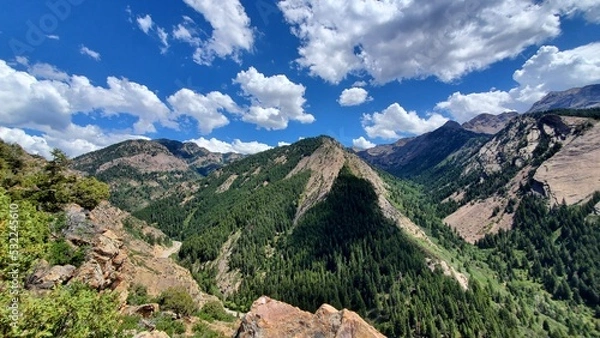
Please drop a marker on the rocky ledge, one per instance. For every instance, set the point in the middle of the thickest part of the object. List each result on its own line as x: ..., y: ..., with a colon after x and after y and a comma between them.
x: 270, y: 318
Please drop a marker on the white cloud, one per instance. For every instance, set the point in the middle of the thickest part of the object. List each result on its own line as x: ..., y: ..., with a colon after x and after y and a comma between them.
x: 47, y: 71
x: 548, y: 70
x: 145, y: 23
x: 359, y: 84
x: 283, y: 144
x: 362, y: 143
x: 186, y: 33
x: 53, y: 37
x: 275, y: 100
x: 206, y: 109
x: 163, y: 36
x: 74, y: 140
x: 231, y: 33
x: 237, y: 146
x: 410, y: 39
x: 93, y: 54
x: 354, y: 96
x: 31, y: 102
x: 395, y: 121
x: 465, y: 107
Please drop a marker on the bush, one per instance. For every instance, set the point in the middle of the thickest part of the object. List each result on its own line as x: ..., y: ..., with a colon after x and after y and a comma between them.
x: 178, y: 301
x: 201, y: 330
x: 214, y: 311
x: 89, y: 192
x: 61, y: 253
x: 168, y: 325
x: 138, y: 295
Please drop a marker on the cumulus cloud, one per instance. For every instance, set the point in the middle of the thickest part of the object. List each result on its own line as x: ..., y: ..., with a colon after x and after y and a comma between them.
x: 231, y: 32
x: 275, y: 100
x: 206, y: 109
x: 187, y: 33
x: 91, y: 53
x: 548, y: 70
x: 31, y: 102
x: 237, y: 146
x: 392, y: 40
x: 74, y: 140
x: 362, y: 143
x: 395, y: 121
x: 145, y: 23
x: 354, y: 96
x: 283, y: 144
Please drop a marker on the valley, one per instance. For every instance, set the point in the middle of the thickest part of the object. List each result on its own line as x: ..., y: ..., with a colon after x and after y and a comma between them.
x: 485, y: 229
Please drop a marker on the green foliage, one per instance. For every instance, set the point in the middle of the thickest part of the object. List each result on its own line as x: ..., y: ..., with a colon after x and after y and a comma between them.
x: 201, y: 330
x: 214, y: 310
x: 89, y: 192
x: 168, y: 325
x: 70, y: 311
x: 178, y: 300
x: 61, y: 253
x: 560, y: 247
x: 138, y: 295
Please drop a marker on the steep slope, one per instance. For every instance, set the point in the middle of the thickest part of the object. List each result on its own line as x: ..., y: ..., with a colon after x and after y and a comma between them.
x: 412, y: 157
x: 139, y: 171
x: 306, y: 224
x: 488, y: 123
x: 552, y: 155
x: 575, y: 98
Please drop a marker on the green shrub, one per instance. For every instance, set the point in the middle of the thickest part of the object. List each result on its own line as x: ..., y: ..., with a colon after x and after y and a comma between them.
x: 168, y: 325
x: 177, y: 300
x: 138, y: 295
x: 61, y: 253
x: 201, y: 330
x: 214, y: 311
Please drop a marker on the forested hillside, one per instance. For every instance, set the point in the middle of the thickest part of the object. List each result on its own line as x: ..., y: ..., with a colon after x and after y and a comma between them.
x: 242, y: 238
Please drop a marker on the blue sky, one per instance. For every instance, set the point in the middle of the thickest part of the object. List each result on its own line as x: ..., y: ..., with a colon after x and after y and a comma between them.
x: 244, y: 76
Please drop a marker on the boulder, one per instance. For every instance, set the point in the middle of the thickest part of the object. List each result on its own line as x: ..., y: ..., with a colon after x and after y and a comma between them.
x: 270, y: 318
x: 45, y: 277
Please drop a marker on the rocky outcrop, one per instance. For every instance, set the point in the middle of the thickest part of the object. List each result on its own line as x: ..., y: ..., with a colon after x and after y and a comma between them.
x: 45, y: 277
x: 270, y: 318
x: 572, y: 175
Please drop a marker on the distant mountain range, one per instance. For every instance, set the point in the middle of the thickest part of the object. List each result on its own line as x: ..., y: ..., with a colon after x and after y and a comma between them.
x: 576, y: 98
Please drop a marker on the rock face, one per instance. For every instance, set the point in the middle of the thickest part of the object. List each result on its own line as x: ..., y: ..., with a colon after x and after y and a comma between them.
x: 270, y: 318
x: 576, y: 98
x: 488, y: 123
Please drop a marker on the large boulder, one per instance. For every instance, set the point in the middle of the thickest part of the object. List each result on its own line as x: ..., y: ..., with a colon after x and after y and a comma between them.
x: 45, y: 277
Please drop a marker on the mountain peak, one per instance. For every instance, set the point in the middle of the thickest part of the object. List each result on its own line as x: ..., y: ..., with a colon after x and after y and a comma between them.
x: 452, y: 125
x: 488, y: 123
x: 574, y: 98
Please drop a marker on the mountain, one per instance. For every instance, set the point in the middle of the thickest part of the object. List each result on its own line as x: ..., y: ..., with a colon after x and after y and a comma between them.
x: 575, y: 98
x: 488, y: 123
x: 413, y: 156
x: 139, y: 171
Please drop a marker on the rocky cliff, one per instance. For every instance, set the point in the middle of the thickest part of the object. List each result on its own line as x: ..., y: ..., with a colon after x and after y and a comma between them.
x: 269, y: 318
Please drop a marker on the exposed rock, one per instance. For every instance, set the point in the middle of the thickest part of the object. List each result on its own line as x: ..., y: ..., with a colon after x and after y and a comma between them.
x: 145, y: 310
x: 91, y: 274
x: 45, y: 277
x: 573, y: 174
x: 270, y: 318
x: 153, y: 334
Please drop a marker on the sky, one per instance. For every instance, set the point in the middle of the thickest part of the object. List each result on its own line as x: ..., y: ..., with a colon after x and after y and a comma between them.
x: 246, y: 76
